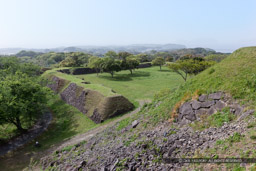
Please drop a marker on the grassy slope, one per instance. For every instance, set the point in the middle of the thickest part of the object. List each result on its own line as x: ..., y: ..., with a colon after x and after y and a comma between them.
x: 235, y: 75
x: 143, y: 84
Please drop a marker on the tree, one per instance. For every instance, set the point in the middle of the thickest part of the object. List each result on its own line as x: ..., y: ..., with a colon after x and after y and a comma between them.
x: 189, y: 67
x: 143, y: 57
x: 95, y: 63
x: 130, y: 63
x: 169, y: 59
x: 159, y: 61
x: 75, y: 59
x: 111, y: 65
x: 10, y: 65
x: 123, y: 55
x: 22, y: 99
x: 111, y: 54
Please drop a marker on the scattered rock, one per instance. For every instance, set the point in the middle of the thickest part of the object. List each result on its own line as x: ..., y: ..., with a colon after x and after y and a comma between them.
x: 215, y: 96
x: 212, y: 110
x: 111, y: 152
x: 191, y: 116
x: 238, y: 110
x: 186, y: 108
x: 203, y: 98
x: 103, y: 168
x: 195, y: 104
x: 201, y: 111
x: 171, y: 150
x: 220, y: 105
x: 208, y: 104
x: 114, y: 165
x: 245, y: 114
x: 134, y: 124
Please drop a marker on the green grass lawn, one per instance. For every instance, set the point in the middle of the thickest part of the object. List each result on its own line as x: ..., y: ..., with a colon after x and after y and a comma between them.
x: 142, y: 84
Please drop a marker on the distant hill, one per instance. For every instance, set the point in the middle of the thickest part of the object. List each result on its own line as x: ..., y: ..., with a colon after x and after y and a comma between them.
x: 136, y: 48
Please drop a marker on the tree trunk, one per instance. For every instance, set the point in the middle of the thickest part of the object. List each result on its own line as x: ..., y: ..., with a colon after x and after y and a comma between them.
x: 160, y: 67
x: 112, y: 74
x: 186, y: 77
x: 18, y: 125
x: 97, y: 72
x: 131, y: 71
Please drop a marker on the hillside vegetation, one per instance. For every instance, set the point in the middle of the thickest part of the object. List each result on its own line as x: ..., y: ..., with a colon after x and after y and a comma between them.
x: 234, y: 75
x: 145, y: 145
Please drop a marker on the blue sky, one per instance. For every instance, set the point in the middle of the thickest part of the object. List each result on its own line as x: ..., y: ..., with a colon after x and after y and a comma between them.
x: 217, y: 24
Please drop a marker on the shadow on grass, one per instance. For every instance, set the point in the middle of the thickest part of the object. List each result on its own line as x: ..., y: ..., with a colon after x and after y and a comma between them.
x: 62, y: 126
x: 126, y: 77
x: 165, y: 70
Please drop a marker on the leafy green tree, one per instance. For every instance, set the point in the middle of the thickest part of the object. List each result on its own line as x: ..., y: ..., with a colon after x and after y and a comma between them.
x: 28, y: 53
x: 130, y: 63
x: 95, y: 63
x: 169, y: 59
x: 142, y: 57
x: 49, y: 59
x: 75, y: 59
x: 189, y: 67
x: 111, y: 65
x: 123, y: 55
x: 111, y: 54
x: 159, y: 61
x: 10, y: 65
x: 22, y: 99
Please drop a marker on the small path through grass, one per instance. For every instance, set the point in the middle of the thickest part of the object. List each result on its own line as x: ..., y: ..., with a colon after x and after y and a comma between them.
x: 40, y: 126
x: 82, y: 137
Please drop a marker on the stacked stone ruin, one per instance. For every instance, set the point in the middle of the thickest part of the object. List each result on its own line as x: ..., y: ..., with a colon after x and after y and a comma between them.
x: 207, y: 105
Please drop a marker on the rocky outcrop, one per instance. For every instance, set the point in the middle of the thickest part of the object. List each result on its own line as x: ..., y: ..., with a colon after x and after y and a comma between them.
x: 207, y: 104
x: 92, y: 103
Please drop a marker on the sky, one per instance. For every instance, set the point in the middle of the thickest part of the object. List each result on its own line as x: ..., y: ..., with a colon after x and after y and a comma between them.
x: 223, y: 25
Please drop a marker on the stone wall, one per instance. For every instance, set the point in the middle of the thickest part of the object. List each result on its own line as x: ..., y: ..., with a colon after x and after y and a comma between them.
x: 92, y: 103
x: 145, y: 65
x: 56, y: 84
x: 82, y: 71
x: 207, y: 104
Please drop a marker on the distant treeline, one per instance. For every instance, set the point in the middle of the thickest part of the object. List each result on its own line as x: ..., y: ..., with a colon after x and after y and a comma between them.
x: 81, y: 59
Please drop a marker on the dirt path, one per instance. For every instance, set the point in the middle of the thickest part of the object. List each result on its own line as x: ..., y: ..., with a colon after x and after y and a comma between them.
x: 40, y: 126
x: 82, y: 137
